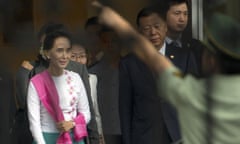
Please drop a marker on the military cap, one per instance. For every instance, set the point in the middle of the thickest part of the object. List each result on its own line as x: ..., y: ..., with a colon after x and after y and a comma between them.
x: 223, y: 35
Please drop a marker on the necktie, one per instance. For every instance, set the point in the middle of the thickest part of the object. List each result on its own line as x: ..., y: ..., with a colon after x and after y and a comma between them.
x: 175, y: 44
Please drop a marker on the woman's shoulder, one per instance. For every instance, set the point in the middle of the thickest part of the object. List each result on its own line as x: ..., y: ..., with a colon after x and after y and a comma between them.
x: 71, y: 74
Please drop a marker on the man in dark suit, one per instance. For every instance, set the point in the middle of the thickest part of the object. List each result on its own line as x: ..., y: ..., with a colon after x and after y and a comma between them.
x: 177, y: 15
x: 6, y: 103
x: 107, y: 73
x: 146, y: 118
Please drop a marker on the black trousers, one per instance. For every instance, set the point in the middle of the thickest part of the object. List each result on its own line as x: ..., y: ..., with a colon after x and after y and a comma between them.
x: 21, y: 133
x: 112, y: 139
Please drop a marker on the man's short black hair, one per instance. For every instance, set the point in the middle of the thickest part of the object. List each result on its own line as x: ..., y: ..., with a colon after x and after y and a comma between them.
x: 91, y: 21
x: 162, y: 6
x: 170, y: 3
x: 147, y: 11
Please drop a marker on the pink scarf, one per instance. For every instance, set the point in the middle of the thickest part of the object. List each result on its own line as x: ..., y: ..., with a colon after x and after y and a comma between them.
x: 48, y: 95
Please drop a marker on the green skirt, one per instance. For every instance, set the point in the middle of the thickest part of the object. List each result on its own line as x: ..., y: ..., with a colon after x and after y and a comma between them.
x: 51, y: 138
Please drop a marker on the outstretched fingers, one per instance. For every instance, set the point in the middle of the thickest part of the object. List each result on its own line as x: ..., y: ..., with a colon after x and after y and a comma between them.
x: 96, y: 4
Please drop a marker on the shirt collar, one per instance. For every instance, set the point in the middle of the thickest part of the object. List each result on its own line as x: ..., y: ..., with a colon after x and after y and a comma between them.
x: 163, y: 49
x: 178, y: 41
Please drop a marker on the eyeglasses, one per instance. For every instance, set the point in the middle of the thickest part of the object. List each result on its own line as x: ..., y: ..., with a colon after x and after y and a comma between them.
x: 157, y: 26
x: 75, y: 56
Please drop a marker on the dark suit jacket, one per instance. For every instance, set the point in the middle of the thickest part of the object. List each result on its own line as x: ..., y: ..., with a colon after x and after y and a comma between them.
x: 145, y: 117
x: 22, y: 79
x: 196, y: 47
x: 6, y: 104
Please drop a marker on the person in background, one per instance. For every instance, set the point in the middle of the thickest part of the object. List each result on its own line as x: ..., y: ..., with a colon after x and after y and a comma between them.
x: 207, y: 107
x: 106, y: 71
x: 80, y: 54
x: 92, y: 29
x: 57, y: 100
x: 6, y: 101
x: 144, y: 116
x: 177, y: 17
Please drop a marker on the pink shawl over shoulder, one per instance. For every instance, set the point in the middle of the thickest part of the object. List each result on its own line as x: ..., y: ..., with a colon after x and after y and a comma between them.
x: 48, y: 95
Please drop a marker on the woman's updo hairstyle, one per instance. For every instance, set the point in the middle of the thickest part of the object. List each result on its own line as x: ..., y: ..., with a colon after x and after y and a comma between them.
x: 51, y: 37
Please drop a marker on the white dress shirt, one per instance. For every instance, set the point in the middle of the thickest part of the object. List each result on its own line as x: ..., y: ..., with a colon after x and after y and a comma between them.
x: 93, y: 85
x: 163, y: 49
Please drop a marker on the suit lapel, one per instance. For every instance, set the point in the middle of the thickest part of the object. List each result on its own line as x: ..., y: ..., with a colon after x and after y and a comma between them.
x: 178, y: 56
x: 148, y: 73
